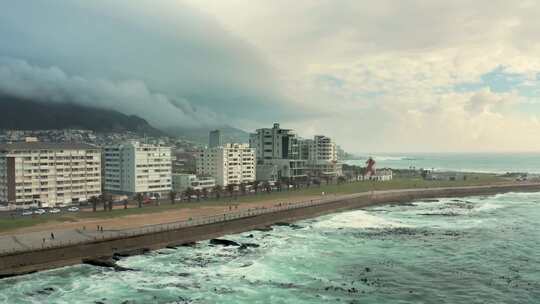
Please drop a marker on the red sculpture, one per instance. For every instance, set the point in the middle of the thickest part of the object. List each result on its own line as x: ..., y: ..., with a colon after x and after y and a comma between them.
x: 370, y: 167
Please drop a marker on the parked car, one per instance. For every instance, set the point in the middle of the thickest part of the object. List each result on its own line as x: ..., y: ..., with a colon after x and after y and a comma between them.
x: 39, y: 211
x: 55, y: 210
x: 73, y: 209
x: 26, y: 213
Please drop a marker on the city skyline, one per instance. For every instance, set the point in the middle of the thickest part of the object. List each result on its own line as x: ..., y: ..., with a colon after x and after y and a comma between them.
x: 408, y: 76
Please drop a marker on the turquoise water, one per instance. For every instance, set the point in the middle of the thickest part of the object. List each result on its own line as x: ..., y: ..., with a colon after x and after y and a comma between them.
x: 469, y: 162
x: 471, y: 250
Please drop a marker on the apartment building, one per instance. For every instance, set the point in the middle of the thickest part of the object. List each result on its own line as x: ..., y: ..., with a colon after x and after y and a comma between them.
x: 134, y: 167
x: 228, y: 164
x: 278, y: 153
x: 214, y: 139
x: 181, y: 182
x: 322, y: 157
x: 43, y: 174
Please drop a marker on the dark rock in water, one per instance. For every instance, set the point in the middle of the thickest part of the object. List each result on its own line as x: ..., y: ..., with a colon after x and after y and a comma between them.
x: 430, y: 201
x: 100, y: 262
x: 128, y: 253
x: 249, y: 245
x: 440, y: 214
x: 250, y: 236
x: 368, y: 269
x: 184, y: 274
x: 283, y: 224
x: 265, y: 229
x: 45, y: 291
x: 107, y: 262
x: 223, y: 242
x: 188, y: 244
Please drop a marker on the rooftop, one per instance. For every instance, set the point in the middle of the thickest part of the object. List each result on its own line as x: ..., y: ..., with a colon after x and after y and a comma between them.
x: 35, y: 145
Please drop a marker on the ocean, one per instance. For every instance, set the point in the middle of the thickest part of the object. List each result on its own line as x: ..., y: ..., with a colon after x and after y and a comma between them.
x: 462, y: 162
x: 482, y: 249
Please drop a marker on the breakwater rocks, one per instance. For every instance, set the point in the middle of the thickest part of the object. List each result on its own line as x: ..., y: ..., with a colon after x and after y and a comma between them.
x: 107, y: 262
x: 46, y: 258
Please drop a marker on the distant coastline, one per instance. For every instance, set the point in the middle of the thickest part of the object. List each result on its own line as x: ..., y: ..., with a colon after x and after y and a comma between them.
x: 497, y: 163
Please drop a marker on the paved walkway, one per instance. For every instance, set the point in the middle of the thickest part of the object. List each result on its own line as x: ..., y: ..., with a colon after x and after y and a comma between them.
x: 43, y: 239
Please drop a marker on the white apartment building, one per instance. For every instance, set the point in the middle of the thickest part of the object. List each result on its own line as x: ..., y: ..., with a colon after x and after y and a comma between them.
x: 43, y: 174
x: 134, y: 167
x: 278, y: 153
x: 228, y: 164
x: 322, y: 157
x: 182, y: 181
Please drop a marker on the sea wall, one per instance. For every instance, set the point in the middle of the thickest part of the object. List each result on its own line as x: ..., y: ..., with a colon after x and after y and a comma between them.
x: 35, y: 260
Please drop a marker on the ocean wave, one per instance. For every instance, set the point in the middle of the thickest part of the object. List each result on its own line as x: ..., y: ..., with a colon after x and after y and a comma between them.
x: 357, y: 220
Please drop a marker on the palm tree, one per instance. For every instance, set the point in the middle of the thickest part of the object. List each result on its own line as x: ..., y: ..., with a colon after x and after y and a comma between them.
x: 94, y: 201
x: 188, y: 193
x: 139, y: 199
x: 230, y: 189
x: 278, y: 185
x: 243, y: 188
x: 205, y: 193
x: 103, y: 200
x: 255, y: 185
x: 172, y: 197
x: 217, y: 190
x: 266, y: 187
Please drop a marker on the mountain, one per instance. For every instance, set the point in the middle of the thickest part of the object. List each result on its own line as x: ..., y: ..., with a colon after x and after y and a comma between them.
x: 200, y: 135
x: 23, y: 114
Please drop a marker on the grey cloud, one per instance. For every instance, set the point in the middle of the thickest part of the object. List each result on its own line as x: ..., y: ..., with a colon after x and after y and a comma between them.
x: 20, y: 79
x: 168, y: 61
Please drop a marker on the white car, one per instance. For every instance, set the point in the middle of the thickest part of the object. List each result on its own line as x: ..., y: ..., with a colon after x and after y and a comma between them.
x: 55, y: 210
x: 73, y: 209
x: 39, y: 211
x: 25, y: 213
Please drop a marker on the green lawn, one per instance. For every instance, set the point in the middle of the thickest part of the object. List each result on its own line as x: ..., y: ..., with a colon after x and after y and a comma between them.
x: 348, y: 188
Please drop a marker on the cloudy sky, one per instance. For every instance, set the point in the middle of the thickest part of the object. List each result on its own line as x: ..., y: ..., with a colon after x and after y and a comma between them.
x: 394, y: 76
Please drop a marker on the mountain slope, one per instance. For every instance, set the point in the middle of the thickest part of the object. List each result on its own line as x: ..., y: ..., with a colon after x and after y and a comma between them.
x: 200, y: 135
x: 25, y: 114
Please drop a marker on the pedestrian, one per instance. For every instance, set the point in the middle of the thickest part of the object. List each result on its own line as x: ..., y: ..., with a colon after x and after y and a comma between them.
x: 83, y: 227
x: 52, y: 236
x: 97, y: 228
x: 101, y: 227
x: 43, y: 240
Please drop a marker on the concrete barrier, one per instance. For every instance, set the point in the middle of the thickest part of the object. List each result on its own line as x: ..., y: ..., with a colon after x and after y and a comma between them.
x: 170, y: 234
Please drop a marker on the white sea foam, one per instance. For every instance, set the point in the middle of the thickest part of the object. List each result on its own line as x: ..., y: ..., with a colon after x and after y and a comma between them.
x: 357, y: 219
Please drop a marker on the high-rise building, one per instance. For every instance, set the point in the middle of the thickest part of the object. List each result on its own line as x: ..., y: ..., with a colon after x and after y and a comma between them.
x: 43, y: 174
x: 321, y: 155
x: 228, y: 164
x: 214, y: 139
x: 134, y: 167
x: 278, y: 153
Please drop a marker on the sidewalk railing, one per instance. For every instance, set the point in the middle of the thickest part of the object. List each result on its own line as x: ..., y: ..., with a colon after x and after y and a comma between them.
x: 171, y: 226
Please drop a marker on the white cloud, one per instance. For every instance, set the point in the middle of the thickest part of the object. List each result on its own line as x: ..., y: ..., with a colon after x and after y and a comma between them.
x: 386, y: 72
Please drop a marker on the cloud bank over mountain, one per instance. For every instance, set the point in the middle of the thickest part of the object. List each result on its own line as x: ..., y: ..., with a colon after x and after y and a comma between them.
x: 166, y: 61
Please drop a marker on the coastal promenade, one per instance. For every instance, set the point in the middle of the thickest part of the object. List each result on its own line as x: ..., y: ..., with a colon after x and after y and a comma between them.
x: 32, y: 251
